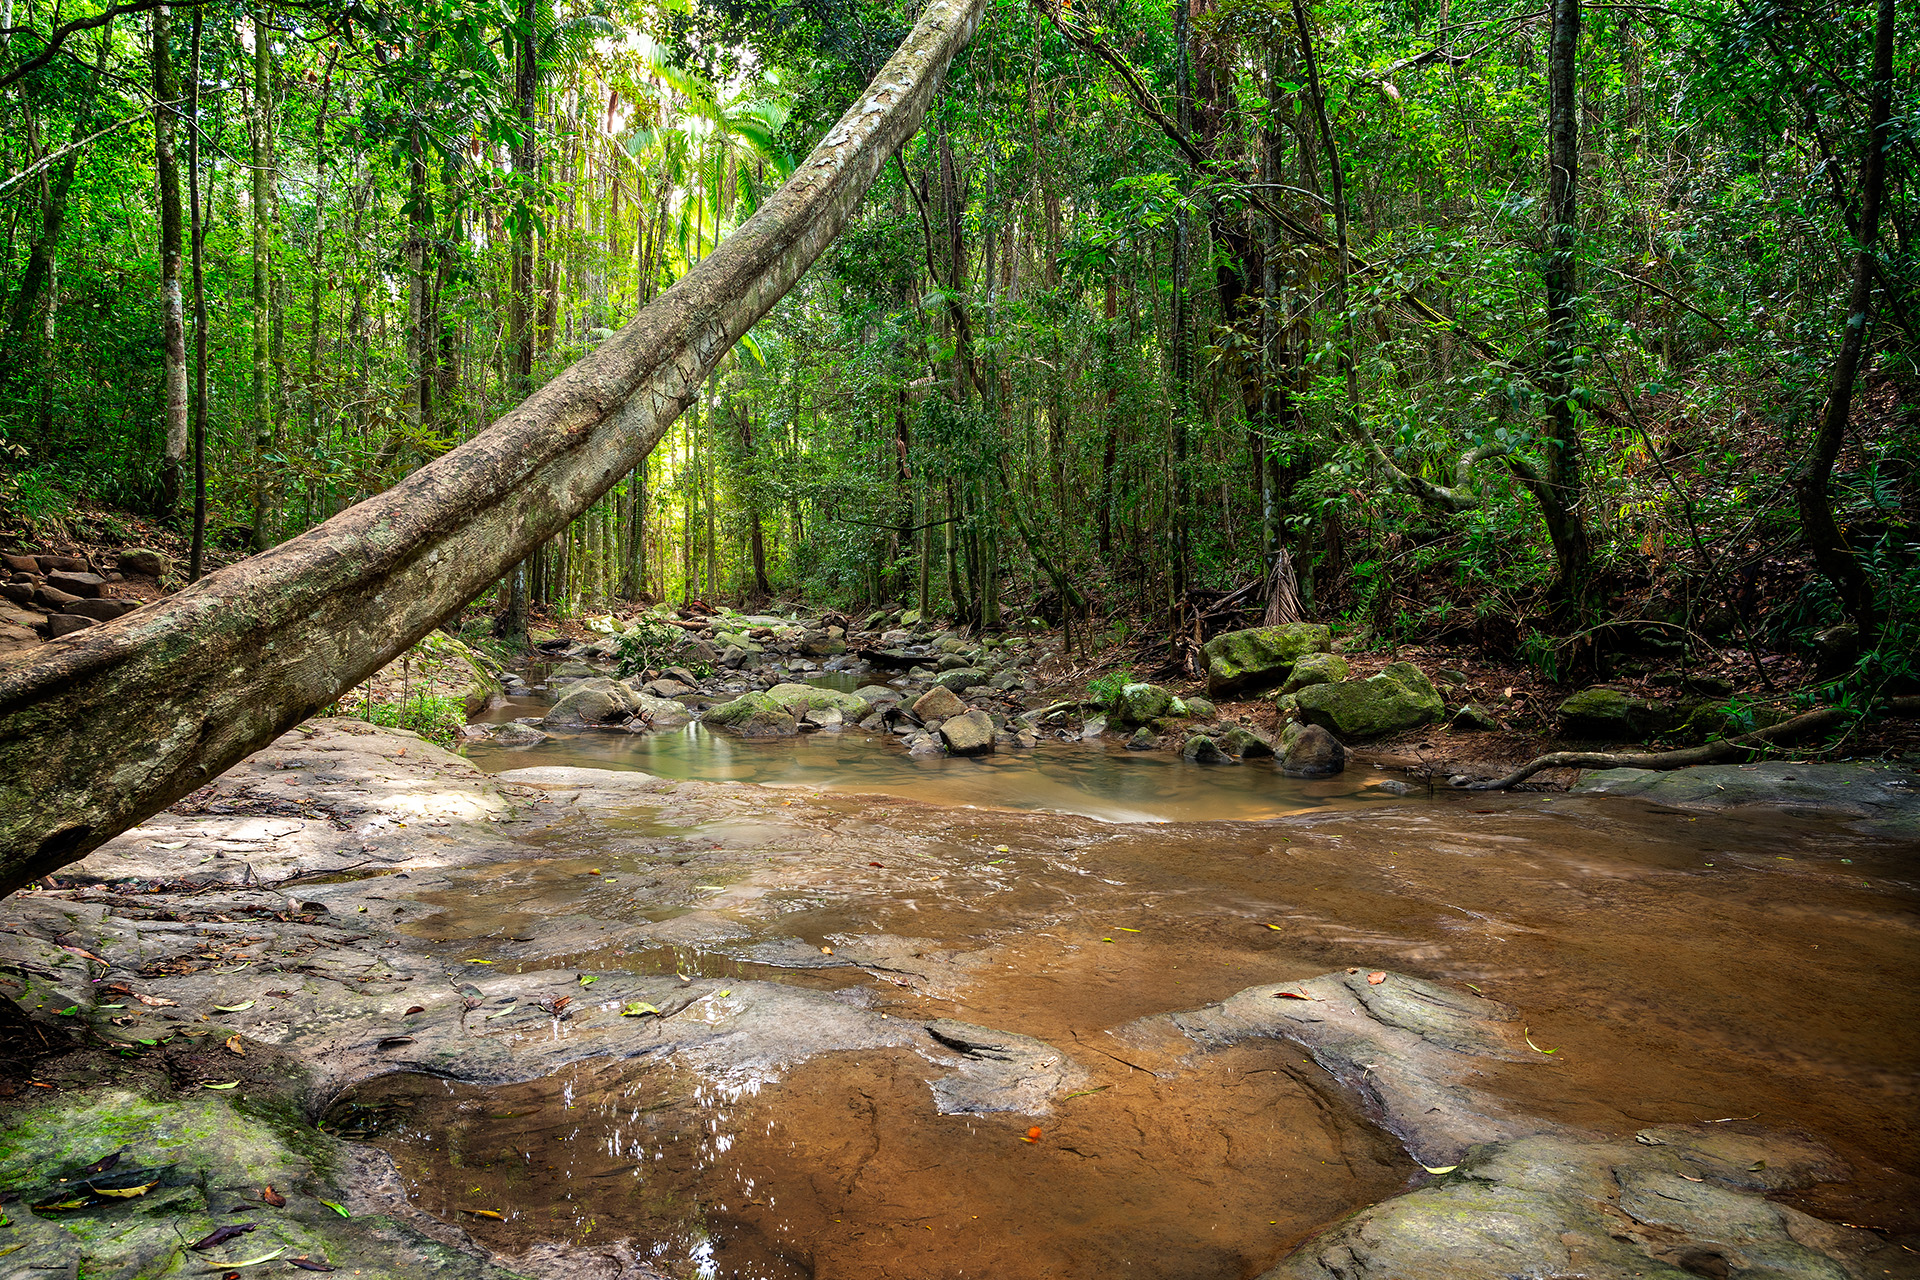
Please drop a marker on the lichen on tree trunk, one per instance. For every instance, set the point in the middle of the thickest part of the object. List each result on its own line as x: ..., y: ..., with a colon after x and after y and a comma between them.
x: 100, y: 729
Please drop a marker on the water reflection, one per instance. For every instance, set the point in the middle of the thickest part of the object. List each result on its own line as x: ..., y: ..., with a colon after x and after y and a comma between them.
x: 1095, y: 780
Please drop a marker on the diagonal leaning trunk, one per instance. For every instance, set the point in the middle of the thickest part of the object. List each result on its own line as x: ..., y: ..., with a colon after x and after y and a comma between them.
x: 101, y: 729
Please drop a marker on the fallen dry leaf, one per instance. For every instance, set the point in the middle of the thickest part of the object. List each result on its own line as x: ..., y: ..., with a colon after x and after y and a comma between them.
x: 1291, y: 995
x: 234, y: 1046
x: 1375, y: 979
x: 274, y: 1198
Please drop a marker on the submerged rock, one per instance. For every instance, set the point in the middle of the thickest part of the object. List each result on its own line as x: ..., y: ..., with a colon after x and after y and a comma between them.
x: 1312, y: 752
x: 1400, y: 697
x: 1260, y: 657
x: 1201, y: 749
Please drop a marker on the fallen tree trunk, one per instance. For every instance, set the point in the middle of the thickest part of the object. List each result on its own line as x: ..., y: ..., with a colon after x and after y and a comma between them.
x: 1801, y: 726
x: 105, y: 727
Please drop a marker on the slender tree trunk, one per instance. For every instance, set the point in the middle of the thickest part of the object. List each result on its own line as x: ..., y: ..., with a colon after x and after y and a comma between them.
x: 196, y: 554
x: 173, y: 321
x: 261, y: 128
x: 512, y: 623
x: 1182, y: 355
x: 316, y: 295
x: 1822, y: 533
x: 1557, y: 483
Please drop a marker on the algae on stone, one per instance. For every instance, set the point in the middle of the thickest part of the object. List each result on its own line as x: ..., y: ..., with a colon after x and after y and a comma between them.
x: 1260, y: 657
x: 1400, y: 697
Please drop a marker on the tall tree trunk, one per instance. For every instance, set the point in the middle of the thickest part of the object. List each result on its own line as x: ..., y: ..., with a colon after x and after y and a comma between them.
x: 116, y: 722
x: 1182, y: 355
x: 422, y: 350
x: 197, y: 547
x: 173, y: 320
x: 512, y: 623
x: 1822, y: 533
x: 261, y: 129
x: 1556, y: 482
x: 756, y: 534
x: 317, y: 271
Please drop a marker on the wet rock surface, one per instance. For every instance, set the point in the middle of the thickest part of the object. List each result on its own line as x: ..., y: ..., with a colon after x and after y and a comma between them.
x: 1870, y: 798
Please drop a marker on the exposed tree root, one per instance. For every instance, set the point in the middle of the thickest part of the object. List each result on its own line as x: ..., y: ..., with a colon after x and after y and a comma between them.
x: 1801, y: 726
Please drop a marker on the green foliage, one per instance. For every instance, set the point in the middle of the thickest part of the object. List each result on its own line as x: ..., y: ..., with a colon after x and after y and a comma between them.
x: 1105, y: 690
x: 437, y: 719
x: 649, y: 643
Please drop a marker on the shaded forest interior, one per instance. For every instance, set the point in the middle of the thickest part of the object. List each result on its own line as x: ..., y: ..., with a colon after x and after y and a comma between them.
x: 1570, y: 332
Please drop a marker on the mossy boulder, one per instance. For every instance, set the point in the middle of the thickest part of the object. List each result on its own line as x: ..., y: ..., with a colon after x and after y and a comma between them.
x: 1260, y: 657
x: 1245, y: 743
x: 1201, y: 749
x: 1316, y: 668
x: 753, y: 715
x: 1609, y: 715
x: 1142, y: 704
x: 1400, y: 697
x: 801, y: 698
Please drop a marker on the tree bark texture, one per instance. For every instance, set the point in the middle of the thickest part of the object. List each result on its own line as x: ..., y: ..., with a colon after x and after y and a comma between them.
x: 101, y: 729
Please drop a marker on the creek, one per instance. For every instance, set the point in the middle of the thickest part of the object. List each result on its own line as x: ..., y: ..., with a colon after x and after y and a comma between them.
x: 1673, y: 967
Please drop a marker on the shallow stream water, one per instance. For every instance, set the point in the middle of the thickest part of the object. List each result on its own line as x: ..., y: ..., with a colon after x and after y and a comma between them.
x: 1672, y: 967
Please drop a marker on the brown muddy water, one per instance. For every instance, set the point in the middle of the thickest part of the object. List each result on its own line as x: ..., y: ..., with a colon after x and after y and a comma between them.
x: 1678, y: 967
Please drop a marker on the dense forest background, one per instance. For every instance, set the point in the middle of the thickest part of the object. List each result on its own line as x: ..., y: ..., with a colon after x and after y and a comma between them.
x: 1566, y: 330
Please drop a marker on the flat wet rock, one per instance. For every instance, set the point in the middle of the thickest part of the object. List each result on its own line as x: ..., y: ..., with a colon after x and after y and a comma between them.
x: 1869, y: 798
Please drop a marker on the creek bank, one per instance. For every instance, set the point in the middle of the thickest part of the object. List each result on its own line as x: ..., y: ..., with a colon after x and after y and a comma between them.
x: 969, y: 696
x: 366, y: 968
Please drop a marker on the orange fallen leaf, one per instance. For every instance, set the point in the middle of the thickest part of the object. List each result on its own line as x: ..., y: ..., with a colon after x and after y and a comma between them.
x: 235, y: 1047
x: 274, y: 1198
x: 1375, y: 979
x: 1033, y: 1135
x: 1290, y: 995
